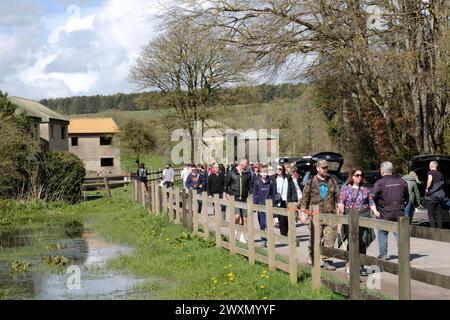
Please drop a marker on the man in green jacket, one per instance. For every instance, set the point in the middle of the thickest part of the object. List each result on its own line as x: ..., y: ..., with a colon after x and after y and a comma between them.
x: 321, y: 194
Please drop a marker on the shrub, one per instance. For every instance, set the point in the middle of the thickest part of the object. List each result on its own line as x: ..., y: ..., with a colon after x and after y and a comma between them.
x: 61, y: 175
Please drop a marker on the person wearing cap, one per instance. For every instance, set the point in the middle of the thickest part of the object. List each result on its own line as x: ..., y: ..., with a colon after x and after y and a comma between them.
x: 321, y: 194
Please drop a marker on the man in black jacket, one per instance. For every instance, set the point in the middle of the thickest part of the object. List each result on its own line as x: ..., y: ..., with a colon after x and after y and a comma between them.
x: 216, y: 185
x: 390, y: 195
x: 239, y: 183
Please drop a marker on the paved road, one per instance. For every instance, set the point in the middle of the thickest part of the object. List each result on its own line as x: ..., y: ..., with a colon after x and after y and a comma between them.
x: 426, y: 254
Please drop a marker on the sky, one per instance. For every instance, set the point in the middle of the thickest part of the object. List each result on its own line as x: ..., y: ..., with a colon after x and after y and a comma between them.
x: 61, y: 48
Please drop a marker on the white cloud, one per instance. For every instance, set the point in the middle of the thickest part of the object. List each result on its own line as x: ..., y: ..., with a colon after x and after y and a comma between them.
x: 79, y: 52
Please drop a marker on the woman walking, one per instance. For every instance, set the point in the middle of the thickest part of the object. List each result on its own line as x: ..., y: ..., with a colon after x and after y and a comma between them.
x: 285, y: 192
x: 355, y: 196
x: 263, y: 189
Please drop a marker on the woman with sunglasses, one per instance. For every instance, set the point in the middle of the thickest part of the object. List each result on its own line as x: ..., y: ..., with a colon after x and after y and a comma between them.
x: 355, y: 196
x: 285, y: 189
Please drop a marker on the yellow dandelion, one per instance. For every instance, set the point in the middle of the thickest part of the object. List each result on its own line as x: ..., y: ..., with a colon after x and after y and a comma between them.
x: 230, y: 274
x: 262, y: 287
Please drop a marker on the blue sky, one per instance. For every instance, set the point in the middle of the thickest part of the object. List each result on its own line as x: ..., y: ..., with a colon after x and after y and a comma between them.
x: 58, y: 48
x: 60, y: 6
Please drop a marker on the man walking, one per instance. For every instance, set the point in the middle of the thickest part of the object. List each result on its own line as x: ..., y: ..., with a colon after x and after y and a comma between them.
x: 390, y: 195
x: 142, y: 174
x: 239, y: 184
x: 216, y: 184
x: 434, y: 194
x: 321, y: 194
x: 196, y: 181
x: 168, y: 176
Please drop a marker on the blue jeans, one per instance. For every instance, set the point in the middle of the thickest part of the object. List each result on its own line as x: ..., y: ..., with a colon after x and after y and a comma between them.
x: 409, y: 210
x: 383, y: 242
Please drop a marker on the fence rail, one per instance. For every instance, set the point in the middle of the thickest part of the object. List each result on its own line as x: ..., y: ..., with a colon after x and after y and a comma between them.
x: 182, y: 207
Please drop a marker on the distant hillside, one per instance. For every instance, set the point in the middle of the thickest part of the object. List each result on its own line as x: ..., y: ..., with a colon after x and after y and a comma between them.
x: 153, y: 100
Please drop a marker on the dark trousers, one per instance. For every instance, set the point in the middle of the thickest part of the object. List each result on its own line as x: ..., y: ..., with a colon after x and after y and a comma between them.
x: 262, y: 222
x: 168, y: 184
x: 362, y: 245
x: 283, y: 220
x: 434, y: 213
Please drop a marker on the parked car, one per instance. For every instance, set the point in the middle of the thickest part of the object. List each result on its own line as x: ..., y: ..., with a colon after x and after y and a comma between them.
x: 308, y: 165
x: 335, y: 163
x: 420, y: 165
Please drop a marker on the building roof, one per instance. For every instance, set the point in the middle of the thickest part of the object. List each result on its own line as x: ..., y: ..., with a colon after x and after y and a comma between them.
x: 92, y: 125
x: 35, y: 109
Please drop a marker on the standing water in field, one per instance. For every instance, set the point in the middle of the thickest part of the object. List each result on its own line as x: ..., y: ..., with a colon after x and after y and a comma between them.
x: 73, y: 267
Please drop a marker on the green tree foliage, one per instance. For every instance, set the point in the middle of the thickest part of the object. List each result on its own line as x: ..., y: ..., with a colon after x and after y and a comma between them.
x: 17, y: 149
x: 386, y: 61
x: 59, y: 177
x: 159, y: 100
x: 137, y: 137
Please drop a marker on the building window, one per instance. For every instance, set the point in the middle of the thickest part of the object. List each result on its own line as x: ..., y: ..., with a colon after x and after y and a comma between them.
x: 63, y: 133
x: 107, y: 162
x: 105, y: 141
x: 74, y: 141
x: 52, y: 132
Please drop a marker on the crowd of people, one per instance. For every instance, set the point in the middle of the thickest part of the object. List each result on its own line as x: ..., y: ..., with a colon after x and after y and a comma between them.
x: 392, y: 196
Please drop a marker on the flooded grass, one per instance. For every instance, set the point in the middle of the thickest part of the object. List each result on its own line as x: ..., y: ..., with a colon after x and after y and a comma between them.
x: 38, y: 249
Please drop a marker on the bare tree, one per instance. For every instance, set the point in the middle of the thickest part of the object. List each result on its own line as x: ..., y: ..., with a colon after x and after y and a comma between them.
x: 386, y: 60
x: 188, y: 63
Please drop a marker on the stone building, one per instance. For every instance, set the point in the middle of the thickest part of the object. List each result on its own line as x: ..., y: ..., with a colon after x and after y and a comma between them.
x: 95, y: 141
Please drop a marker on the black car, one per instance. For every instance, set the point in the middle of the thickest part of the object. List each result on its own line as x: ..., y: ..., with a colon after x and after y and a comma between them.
x: 420, y: 165
x: 335, y: 162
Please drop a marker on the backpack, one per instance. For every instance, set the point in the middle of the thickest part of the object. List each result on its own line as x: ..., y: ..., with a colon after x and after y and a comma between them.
x: 142, y: 173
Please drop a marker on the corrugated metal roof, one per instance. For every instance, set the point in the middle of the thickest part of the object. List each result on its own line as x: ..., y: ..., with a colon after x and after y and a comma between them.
x: 35, y: 109
x: 93, y: 125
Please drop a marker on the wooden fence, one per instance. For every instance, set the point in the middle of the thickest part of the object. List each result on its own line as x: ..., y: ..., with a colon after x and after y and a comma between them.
x: 182, y: 207
x: 108, y: 182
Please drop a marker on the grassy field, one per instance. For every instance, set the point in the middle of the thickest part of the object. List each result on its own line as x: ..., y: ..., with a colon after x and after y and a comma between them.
x: 177, y: 265
x: 152, y: 162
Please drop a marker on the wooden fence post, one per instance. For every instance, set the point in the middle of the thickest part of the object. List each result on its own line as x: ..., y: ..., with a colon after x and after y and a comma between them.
x: 158, y: 204
x: 195, y: 210
x: 143, y: 194
x: 151, y: 191
x: 218, y: 218
x: 251, y: 231
x: 292, y: 234
x: 183, y: 207
x: 135, y: 184
x: 354, y: 259
x: 170, y: 204
x: 105, y: 180
x: 205, y: 215
x: 270, y: 235
x: 189, y: 213
x: 138, y: 191
x: 404, y: 264
x: 315, y: 241
x: 231, y: 217
x: 164, y: 198
x: 160, y: 199
x: 177, y: 206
